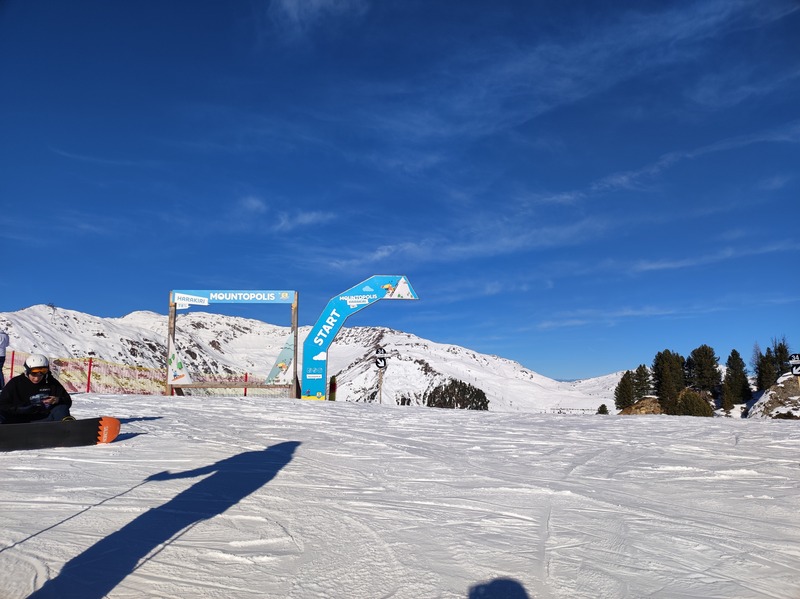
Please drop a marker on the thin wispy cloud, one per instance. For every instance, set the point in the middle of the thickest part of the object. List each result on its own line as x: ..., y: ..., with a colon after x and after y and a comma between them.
x: 498, y: 237
x: 255, y: 214
x: 775, y: 183
x: 96, y: 221
x: 618, y: 316
x: 497, y: 86
x: 501, y: 239
x: 103, y: 161
x: 301, y: 219
x: 478, y: 92
x: 252, y: 205
x: 621, y: 268
x: 738, y: 84
x: 493, y: 87
x: 722, y: 255
x: 642, y: 177
x: 360, y: 257
x: 296, y: 20
x: 690, y: 262
x: 588, y: 317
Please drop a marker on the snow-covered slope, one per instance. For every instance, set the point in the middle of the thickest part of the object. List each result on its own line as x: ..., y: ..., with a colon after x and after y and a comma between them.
x: 296, y: 499
x: 601, y: 387
x: 226, y: 345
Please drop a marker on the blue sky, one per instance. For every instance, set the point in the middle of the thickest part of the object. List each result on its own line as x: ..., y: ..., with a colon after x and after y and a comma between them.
x: 568, y: 185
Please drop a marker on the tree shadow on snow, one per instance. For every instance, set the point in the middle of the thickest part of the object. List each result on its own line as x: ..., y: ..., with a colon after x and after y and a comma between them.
x: 95, y: 572
x: 499, y: 588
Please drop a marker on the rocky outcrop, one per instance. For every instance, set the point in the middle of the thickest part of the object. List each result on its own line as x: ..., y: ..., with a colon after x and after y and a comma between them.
x: 782, y: 400
x: 648, y: 405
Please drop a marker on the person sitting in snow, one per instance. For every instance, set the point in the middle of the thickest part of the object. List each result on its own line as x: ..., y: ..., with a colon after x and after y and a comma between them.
x: 35, y: 395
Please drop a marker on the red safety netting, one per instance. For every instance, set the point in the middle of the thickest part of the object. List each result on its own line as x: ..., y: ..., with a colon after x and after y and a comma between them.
x: 92, y: 375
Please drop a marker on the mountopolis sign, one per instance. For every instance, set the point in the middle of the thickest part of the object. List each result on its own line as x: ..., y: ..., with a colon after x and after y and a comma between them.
x: 182, y: 299
x: 338, y: 309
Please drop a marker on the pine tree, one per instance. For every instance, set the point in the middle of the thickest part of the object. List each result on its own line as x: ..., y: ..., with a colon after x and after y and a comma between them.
x: 668, y: 379
x: 642, y: 384
x: 623, y: 394
x: 602, y: 409
x: 693, y: 403
x: 780, y: 355
x: 766, y: 372
x: 726, y: 400
x: 755, y: 363
x: 456, y: 395
x: 755, y: 358
x: 703, y: 369
x: 735, y: 386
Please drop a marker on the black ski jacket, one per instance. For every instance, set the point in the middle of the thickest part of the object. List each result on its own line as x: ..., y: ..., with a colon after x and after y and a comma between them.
x: 15, y: 397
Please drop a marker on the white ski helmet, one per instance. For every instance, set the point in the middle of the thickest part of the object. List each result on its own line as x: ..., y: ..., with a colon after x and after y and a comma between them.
x: 36, y: 361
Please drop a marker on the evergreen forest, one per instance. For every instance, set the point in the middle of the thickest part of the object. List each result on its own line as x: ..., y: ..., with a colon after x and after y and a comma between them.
x: 695, y: 386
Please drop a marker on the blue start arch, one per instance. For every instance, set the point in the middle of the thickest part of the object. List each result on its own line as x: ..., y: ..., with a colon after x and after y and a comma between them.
x: 322, y: 334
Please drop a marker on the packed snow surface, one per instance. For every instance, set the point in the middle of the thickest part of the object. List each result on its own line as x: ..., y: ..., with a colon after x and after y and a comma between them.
x: 246, y: 497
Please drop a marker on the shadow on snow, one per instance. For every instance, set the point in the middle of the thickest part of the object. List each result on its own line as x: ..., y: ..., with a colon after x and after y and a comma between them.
x: 499, y: 588
x: 95, y: 572
x: 138, y: 419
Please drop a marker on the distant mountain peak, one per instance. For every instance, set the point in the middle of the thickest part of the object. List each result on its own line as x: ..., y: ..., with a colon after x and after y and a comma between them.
x: 224, y: 345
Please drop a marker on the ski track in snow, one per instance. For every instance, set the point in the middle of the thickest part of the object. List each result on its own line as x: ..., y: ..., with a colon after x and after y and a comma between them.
x: 195, y: 499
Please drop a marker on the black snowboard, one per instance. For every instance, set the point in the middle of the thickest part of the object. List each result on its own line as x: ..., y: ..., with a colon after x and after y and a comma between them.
x: 39, y: 435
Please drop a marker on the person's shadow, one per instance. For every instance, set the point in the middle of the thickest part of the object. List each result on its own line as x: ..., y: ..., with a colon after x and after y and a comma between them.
x: 499, y: 588
x: 95, y: 572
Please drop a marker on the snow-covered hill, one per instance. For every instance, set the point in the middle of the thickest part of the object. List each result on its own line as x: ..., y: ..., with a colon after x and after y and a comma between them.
x: 226, y: 345
x: 323, y: 500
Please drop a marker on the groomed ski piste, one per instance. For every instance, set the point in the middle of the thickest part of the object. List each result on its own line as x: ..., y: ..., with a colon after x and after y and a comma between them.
x: 250, y: 498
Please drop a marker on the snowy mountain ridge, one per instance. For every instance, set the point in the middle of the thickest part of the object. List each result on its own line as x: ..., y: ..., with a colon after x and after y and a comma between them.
x: 227, y: 345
